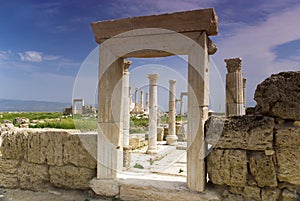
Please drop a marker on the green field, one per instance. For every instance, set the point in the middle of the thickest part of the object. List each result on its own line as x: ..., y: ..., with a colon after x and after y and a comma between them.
x: 53, y: 120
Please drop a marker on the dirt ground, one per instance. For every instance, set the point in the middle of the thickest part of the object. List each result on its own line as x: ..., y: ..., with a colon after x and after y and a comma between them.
x: 49, y: 195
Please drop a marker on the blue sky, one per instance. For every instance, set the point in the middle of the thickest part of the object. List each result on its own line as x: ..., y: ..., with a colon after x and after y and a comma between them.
x: 44, y: 43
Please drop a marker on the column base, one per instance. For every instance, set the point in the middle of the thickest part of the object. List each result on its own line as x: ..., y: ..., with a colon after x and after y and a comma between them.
x: 152, y: 151
x: 172, y: 139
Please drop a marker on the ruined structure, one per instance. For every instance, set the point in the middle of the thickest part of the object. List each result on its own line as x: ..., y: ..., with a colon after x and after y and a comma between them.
x: 234, y: 87
x: 182, y: 33
x: 182, y: 102
x: 256, y: 157
x: 171, y: 137
x: 74, y: 106
x: 153, y: 107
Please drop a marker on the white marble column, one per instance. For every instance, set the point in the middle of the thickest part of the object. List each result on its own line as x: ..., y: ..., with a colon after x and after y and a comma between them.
x: 142, y: 101
x: 181, y: 106
x: 234, y: 87
x: 147, y: 102
x: 136, y: 98
x: 130, y: 96
x: 152, y: 138
x: 171, y: 137
x: 126, y: 104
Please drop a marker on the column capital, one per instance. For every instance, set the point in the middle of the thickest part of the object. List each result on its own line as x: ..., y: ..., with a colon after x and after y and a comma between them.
x: 233, y: 64
x: 153, y: 78
x: 126, y: 65
x: 172, y: 82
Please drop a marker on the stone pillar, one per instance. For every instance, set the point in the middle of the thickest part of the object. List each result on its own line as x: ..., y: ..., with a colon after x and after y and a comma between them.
x: 110, y: 115
x: 234, y: 87
x: 244, y: 94
x: 74, y: 108
x: 171, y: 137
x: 147, y: 102
x: 181, y: 105
x: 152, y: 137
x: 142, y: 101
x: 130, y: 96
x: 135, y: 98
x: 198, y: 102
x: 126, y: 104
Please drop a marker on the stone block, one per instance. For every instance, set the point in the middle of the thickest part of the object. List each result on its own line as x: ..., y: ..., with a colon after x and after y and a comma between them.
x: 180, y: 133
x: 76, y: 154
x: 252, y: 193
x: 14, y: 144
x: 227, y: 167
x: 33, y: 176
x: 103, y: 187
x: 279, y: 95
x: 270, y: 194
x: 288, y: 154
x: 52, y: 146
x: 160, y: 133
x: 8, y: 181
x: 71, y: 177
x: 8, y: 166
x: 287, y: 137
x: 262, y: 169
x: 290, y: 196
x: 240, y: 132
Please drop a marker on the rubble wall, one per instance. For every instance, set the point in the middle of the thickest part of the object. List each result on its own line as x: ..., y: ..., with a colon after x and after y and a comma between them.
x: 257, y: 157
x: 36, y: 159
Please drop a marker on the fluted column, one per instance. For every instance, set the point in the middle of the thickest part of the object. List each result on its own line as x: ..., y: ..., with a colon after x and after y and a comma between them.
x: 234, y: 87
x: 244, y: 94
x: 126, y: 104
x: 152, y: 138
x: 171, y: 137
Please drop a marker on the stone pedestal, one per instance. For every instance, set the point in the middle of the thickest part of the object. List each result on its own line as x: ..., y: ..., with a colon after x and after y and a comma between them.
x: 234, y: 87
x: 152, y: 137
x: 126, y: 104
x: 171, y: 137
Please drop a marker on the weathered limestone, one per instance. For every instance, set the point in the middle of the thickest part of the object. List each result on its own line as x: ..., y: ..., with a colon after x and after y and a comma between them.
x: 234, y: 87
x: 288, y: 154
x: 33, y: 176
x: 171, y: 137
x: 153, y: 107
x: 126, y: 103
x: 71, y: 177
x: 227, y: 167
x: 49, y: 157
x: 263, y: 169
x: 279, y: 96
x: 74, y: 107
x: 240, y: 132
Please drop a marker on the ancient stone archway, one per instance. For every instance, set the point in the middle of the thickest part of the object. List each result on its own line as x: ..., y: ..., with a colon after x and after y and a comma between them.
x: 182, y: 33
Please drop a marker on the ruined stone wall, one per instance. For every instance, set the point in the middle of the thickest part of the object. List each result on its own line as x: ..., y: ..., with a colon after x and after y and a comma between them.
x: 35, y: 159
x: 257, y: 157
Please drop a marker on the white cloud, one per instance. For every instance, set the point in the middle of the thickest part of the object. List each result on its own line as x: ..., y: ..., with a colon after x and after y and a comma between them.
x: 31, y: 56
x: 4, y: 54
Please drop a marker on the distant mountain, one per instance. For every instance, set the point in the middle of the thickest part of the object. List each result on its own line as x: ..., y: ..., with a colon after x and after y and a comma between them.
x: 7, y: 105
